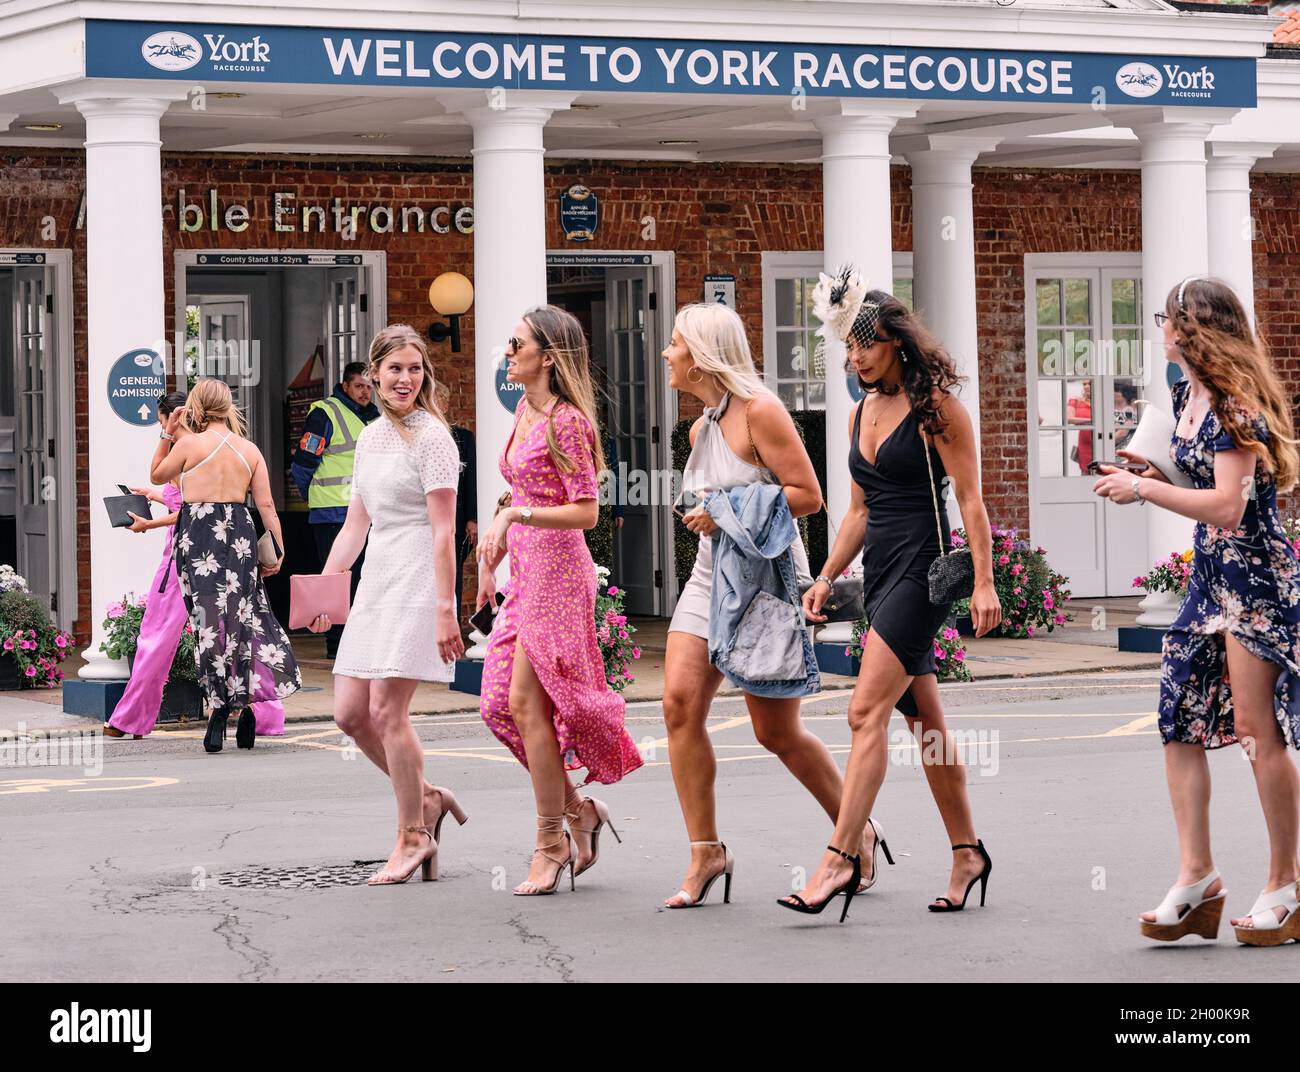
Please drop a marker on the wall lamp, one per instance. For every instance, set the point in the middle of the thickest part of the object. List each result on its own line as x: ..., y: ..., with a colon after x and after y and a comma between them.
x: 451, y: 295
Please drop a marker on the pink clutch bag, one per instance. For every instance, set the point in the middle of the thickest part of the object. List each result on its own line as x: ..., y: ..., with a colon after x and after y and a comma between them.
x: 314, y: 594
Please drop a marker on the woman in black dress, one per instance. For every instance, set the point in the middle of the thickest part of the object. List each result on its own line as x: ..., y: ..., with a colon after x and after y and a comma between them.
x: 897, y: 518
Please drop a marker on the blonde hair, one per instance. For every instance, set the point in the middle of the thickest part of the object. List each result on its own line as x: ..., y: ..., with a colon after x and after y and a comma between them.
x: 210, y: 402
x: 715, y: 336
x: 559, y: 334
x: 1227, y: 357
x: 387, y: 341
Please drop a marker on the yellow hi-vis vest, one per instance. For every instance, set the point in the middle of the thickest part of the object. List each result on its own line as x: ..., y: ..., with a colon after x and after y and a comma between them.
x: 331, y: 484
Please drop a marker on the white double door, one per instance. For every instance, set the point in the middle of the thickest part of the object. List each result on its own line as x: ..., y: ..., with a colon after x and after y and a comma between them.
x: 1086, y: 372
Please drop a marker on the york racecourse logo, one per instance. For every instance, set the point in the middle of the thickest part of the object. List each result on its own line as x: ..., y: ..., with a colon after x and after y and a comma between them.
x: 130, y: 1026
x: 1139, y: 79
x: 171, y: 50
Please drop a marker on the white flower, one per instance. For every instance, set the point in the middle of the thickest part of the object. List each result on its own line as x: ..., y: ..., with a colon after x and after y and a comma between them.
x: 271, y: 655
x: 186, y: 543
x: 201, y: 509
x: 204, y: 566
x: 232, y: 580
x: 283, y: 689
x: 220, y: 529
x: 206, y: 638
x: 242, y: 547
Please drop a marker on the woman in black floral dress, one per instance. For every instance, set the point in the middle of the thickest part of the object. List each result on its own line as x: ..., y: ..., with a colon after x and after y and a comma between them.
x: 242, y: 652
x: 1230, y: 673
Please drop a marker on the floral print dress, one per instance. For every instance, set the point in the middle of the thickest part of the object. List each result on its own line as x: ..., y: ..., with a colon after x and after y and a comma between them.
x: 550, y: 611
x: 242, y: 651
x: 1244, y: 581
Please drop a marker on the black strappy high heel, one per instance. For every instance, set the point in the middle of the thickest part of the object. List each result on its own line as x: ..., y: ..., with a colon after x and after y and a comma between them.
x: 982, y: 878
x: 215, y: 738
x: 848, y: 889
x: 246, y: 730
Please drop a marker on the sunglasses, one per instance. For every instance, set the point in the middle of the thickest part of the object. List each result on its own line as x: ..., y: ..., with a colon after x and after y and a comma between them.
x: 513, y: 345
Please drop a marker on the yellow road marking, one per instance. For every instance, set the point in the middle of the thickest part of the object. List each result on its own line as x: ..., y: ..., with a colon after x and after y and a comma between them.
x: 1137, y: 726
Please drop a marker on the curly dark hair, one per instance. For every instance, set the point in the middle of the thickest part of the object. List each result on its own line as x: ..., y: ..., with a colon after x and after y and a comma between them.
x: 927, y: 368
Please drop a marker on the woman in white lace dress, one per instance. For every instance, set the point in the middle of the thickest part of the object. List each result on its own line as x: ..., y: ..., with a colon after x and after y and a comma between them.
x: 402, y: 627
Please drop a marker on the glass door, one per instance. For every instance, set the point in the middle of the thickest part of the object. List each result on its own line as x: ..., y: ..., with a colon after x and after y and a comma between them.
x: 34, y: 438
x: 632, y: 434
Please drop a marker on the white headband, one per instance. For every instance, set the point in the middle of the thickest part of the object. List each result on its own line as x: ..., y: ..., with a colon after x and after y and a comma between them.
x: 1183, y: 286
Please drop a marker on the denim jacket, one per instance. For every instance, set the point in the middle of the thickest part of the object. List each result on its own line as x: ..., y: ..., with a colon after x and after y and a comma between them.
x: 757, y: 634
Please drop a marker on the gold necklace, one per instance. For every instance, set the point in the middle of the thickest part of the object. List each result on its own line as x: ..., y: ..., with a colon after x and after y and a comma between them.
x: 876, y: 419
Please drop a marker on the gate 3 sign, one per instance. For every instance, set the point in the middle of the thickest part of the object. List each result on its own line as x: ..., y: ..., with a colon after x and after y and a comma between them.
x: 134, y: 383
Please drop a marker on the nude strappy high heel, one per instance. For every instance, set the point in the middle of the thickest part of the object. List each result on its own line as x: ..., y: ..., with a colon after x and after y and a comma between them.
x: 427, y: 863
x: 879, y: 845
x: 449, y: 805
x: 728, y: 869
x: 1186, y: 910
x: 602, y: 819
x: 554, y: 825
x: 1266, y: 928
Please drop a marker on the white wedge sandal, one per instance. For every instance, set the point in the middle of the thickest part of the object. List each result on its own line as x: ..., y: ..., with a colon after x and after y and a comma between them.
x: 1186, y: 910
x: 1266, y: 928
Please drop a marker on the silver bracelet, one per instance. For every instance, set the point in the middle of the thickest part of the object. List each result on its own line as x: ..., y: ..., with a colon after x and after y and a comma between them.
x: 823, y: 577
x: 1137, y: 493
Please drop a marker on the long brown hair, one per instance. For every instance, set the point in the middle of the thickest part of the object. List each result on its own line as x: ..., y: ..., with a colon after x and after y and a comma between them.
x: 210, y: 402
x: 559, y: 334
x: 1230, y: 361
x: 398, y: 337
x: 925, y: 367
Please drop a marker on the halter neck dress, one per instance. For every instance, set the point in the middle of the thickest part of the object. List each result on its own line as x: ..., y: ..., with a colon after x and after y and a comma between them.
x: 900, y: 543
x: 714, y: 466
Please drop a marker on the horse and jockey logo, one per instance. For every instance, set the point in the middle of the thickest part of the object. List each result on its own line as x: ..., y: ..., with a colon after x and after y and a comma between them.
x: 171, y: 50
x: 1139, y: 79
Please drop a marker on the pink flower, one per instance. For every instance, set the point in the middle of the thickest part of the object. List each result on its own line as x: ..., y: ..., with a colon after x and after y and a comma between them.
x: 950, y: 633
x: 960, y: 655
x: 939, y: 653
x: 622, y: 634
x: 61, y: 641
x: 613, y: 591
x: 1003, y: 560
x: 1031, y: 629
x: 1016, y: 570
x: 30, y: 671
x: 8, y: 645
x: 1060, y: 619
x: 636, y: 653
x: 847, y: 651
x: 116, y: 610
x: 29, y: 645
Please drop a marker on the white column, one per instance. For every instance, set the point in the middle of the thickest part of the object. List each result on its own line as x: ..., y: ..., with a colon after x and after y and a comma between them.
x: 1174, y: 246
x: 858, y: 229
x: 124, y: 311
x: 943, y: 251
x: 509, y: 253
x: 1230, y: 221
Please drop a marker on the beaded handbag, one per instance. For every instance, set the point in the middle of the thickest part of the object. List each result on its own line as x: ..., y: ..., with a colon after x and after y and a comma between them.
x: 952, y: 574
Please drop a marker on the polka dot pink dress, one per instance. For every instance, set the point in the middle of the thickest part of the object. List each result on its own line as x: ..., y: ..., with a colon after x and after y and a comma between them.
x: 550, y: 609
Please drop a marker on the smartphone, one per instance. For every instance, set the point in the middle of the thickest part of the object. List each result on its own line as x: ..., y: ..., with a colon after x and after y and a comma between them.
x: 482, y: 619
x: 1094, y: 468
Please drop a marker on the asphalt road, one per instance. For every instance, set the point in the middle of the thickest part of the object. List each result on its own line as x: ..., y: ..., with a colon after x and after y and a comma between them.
x: 172, y: 864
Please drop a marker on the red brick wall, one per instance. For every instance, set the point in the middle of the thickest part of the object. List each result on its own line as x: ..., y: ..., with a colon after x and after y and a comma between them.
x: 718, y: 218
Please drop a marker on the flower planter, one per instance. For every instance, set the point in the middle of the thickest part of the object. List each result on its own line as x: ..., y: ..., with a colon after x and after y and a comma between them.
x: 10, y: 676
x: 182, y: 700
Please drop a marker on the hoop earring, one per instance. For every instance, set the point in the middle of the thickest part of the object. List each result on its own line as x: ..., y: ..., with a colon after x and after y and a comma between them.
x: 694, y: 368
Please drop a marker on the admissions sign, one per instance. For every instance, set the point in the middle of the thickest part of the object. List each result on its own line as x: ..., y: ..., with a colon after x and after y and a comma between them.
x: 362, y: 57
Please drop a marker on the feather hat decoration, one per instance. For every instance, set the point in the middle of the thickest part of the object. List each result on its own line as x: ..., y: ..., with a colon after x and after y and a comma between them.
x: 839, y: 302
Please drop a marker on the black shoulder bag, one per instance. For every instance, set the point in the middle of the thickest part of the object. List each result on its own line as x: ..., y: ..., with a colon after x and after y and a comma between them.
x: 952, y: 574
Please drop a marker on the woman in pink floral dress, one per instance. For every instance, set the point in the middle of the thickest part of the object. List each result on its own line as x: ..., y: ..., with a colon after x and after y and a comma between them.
x: 544, y: 691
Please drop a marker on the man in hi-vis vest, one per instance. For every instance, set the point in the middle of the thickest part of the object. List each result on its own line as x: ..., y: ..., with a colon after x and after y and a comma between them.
x: 322, y: 465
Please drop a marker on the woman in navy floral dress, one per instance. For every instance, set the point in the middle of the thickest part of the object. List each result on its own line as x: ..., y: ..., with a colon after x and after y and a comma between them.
x: 1230, y: 672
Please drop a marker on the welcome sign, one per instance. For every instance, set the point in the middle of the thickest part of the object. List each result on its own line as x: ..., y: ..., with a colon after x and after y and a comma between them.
x: 302, y: 55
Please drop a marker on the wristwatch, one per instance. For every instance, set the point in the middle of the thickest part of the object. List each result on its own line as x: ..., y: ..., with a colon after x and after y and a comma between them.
x: 526, y: 514
x: 1135, y: 490
x: 167, y: 436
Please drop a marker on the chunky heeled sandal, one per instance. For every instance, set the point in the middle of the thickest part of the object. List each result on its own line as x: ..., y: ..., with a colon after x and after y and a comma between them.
x: 602, y: 819
x: 1186, y: 910
x: 553, y: 825
x: 427, y: 864
x: 685, y: 900
x: 982, y: 878
x: 451, y: 805
x: 878, y: 844
x: 246, y: 730
x: 848, y: 889
x: 1266, y: 928
x: 215, y: 737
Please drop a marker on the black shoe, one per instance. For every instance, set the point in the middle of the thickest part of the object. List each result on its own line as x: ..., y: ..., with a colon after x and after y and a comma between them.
x: 982, y: 878
x: 216, y: 735
x: 246, y: 731
x: 848, y: 889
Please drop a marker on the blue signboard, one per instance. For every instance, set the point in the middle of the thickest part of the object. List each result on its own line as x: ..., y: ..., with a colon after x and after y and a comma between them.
x: 134, y: 383
x: 364, y: 57
x: 508, y: 394
x: 579, y: 213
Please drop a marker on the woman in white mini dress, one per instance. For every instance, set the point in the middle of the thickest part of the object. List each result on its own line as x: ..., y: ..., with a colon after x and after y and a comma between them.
x: 403, y: 626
